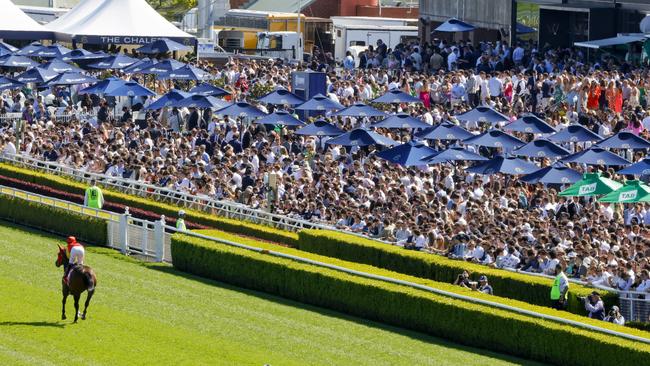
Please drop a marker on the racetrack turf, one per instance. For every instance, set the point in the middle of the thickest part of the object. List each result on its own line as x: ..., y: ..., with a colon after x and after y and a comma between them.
x: 145, y: 313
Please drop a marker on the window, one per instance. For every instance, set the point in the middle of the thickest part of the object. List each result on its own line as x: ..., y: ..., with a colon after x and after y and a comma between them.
x: 357, y: 43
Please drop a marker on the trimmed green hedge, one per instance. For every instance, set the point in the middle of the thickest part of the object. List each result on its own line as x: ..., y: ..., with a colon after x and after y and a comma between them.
x: 230, y: 225
x: 86, y: 228
x: 460, y: 321
x: 518, y: 286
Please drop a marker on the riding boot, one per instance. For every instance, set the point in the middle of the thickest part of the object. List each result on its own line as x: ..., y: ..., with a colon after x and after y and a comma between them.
x: 65, y: 275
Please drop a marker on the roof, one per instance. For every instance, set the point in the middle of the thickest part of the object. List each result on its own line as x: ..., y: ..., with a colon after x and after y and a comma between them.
x: 287, y: 6
x: 253, y: 13
x: 15, y: 24
x: 116, y: 22
x: 606, y: 42
x: 380, y: 27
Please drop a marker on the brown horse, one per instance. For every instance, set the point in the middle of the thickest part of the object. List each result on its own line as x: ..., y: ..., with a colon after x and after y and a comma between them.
x: 81, y: 279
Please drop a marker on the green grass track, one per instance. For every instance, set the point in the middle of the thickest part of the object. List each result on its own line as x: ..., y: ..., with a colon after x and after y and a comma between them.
x: 152, y: 314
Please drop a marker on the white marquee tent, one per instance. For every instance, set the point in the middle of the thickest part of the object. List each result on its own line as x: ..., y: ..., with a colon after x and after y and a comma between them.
x: 14, y: 24
x: 116, y: 22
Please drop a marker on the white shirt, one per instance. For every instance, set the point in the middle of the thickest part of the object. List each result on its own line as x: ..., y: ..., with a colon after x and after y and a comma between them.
x: 10, y: 149
x: 495, y: 85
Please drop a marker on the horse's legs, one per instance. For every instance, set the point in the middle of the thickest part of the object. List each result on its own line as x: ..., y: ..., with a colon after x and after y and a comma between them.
x: 65, y: 297
x: 76, y: 306
x: 88, y: 297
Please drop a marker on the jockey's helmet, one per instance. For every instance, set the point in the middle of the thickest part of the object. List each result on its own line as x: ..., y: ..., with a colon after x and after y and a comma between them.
x: 181, y: 213
x: 71, y: 239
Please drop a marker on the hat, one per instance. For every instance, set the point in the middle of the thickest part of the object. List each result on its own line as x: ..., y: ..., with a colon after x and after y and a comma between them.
x: 181, y: 213
x: 595, y: 293
x: 71, y: 239
x: 482, y: 278
x: 615, y: 308
x: 572, y: 255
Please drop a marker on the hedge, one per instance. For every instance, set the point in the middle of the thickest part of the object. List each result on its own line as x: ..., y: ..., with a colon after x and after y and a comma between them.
x: 423, y: 281
x: 457, y: 320
x: 519, y: 286
x: 201, y: 218
x: 86, y: 228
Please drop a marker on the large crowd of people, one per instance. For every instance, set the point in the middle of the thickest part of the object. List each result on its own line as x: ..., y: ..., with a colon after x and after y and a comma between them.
x: 496, y: 220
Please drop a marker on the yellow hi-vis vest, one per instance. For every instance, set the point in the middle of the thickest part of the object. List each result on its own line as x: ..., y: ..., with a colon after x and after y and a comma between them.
x: 180, y: 224
x: 555, y: 290
x: 94, y: 195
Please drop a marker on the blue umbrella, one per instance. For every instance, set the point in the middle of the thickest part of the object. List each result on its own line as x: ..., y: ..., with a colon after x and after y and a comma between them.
x: 524, y: 29
x: 574, y: 133
x: 500, y: 164
x: 283, y: 118
x: 59, y: 66
x: 241, y: 109
x: 281, y: 97
x: 70, y: 56
x: 401, y: 120
x: 396, y: 96
x: 29, y: 49
x: 455, y: 153
x: 71, y: 78
x: 360, y: 110
x: 17, y: 61
x: 9, y: 84
x: 103, y: 86
x: 319, y: 128
x: 361, y: 137
x: 7, y: 48
x: 52, y: 51
x: 444, y: 131
x: 163, y: 45
x: 36, y: 75
x: 408, y: 154
x: 495, y: 138
x: 596, y: 156
x: 639, y: 168
x: 530, y: 124
x: 625, y: 140
x: 114, y: 62
x: 187, y: 72
x: 85, y: 56
x: 208, y: 89
x: 169, y: 99
x: 541, y: 148
x: 139, y: 66
x: 130, y: 89
x: 454, y: 25
x: 554, y: 174
x: 162, y: 67
x: 200, y: 101
x: 319, y: 102
x: 483, y: 114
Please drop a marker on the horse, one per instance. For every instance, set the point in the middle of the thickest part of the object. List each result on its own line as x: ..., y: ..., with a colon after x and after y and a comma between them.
x: 81, y: 278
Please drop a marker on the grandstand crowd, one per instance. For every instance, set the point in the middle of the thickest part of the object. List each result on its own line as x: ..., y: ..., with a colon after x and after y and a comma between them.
x: 496, y: 220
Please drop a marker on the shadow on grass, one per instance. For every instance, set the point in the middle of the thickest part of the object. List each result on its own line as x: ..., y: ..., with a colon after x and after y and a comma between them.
x: 335, y: 314
x: 33, y: 324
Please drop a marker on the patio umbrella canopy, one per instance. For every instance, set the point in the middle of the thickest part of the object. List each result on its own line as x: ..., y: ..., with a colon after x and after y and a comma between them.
x: 103, y: 86
x: 625, y: 140
x: 71, y: 78
x: 241, y: 109
x: 361, y: 137
x: 208, y: 89
x: 541, y: 148
x: 454, y: 25
x: 36, y: 75
x: 168, y: 99
x: 360, y: 110
x: 59, y: 66
x: 319, y: 102
x: 114, y: 62
x: 137, y: 67
x: 70, y: 56
x: 281, y: 97
x: 17, y: 61
x: 632, y: 191
x: 396, y: 96
x: 162, y: 67
x: 52, y: 51
x: 130, y: 89
x: 186, y: 72
x: 483, y: 114
x: 455, y: 153
x: 29, y: 49
x: 554, y: 174
x: 408, y: 154
x: 319, y: 128
x: 200, y: 101
x: 163, y: 45
x: 444, y: 131
x: 530, y: 124
x: 9, y: 84
x: 574, y: 133
x: 591, y: 184
x: 639, y: 168
x: 596, y: 156
x: 503, y: 165
x: 401, y: 120
x: 283, y: 118
x: 6, y: 47
x: 495, y: 138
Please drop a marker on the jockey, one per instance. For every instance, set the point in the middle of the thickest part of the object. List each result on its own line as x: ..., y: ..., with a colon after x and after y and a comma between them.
x: 76, y: 254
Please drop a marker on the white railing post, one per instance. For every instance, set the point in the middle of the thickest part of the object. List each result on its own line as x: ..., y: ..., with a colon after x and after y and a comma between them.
x: 159, y: 238
x: 124, y: 231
